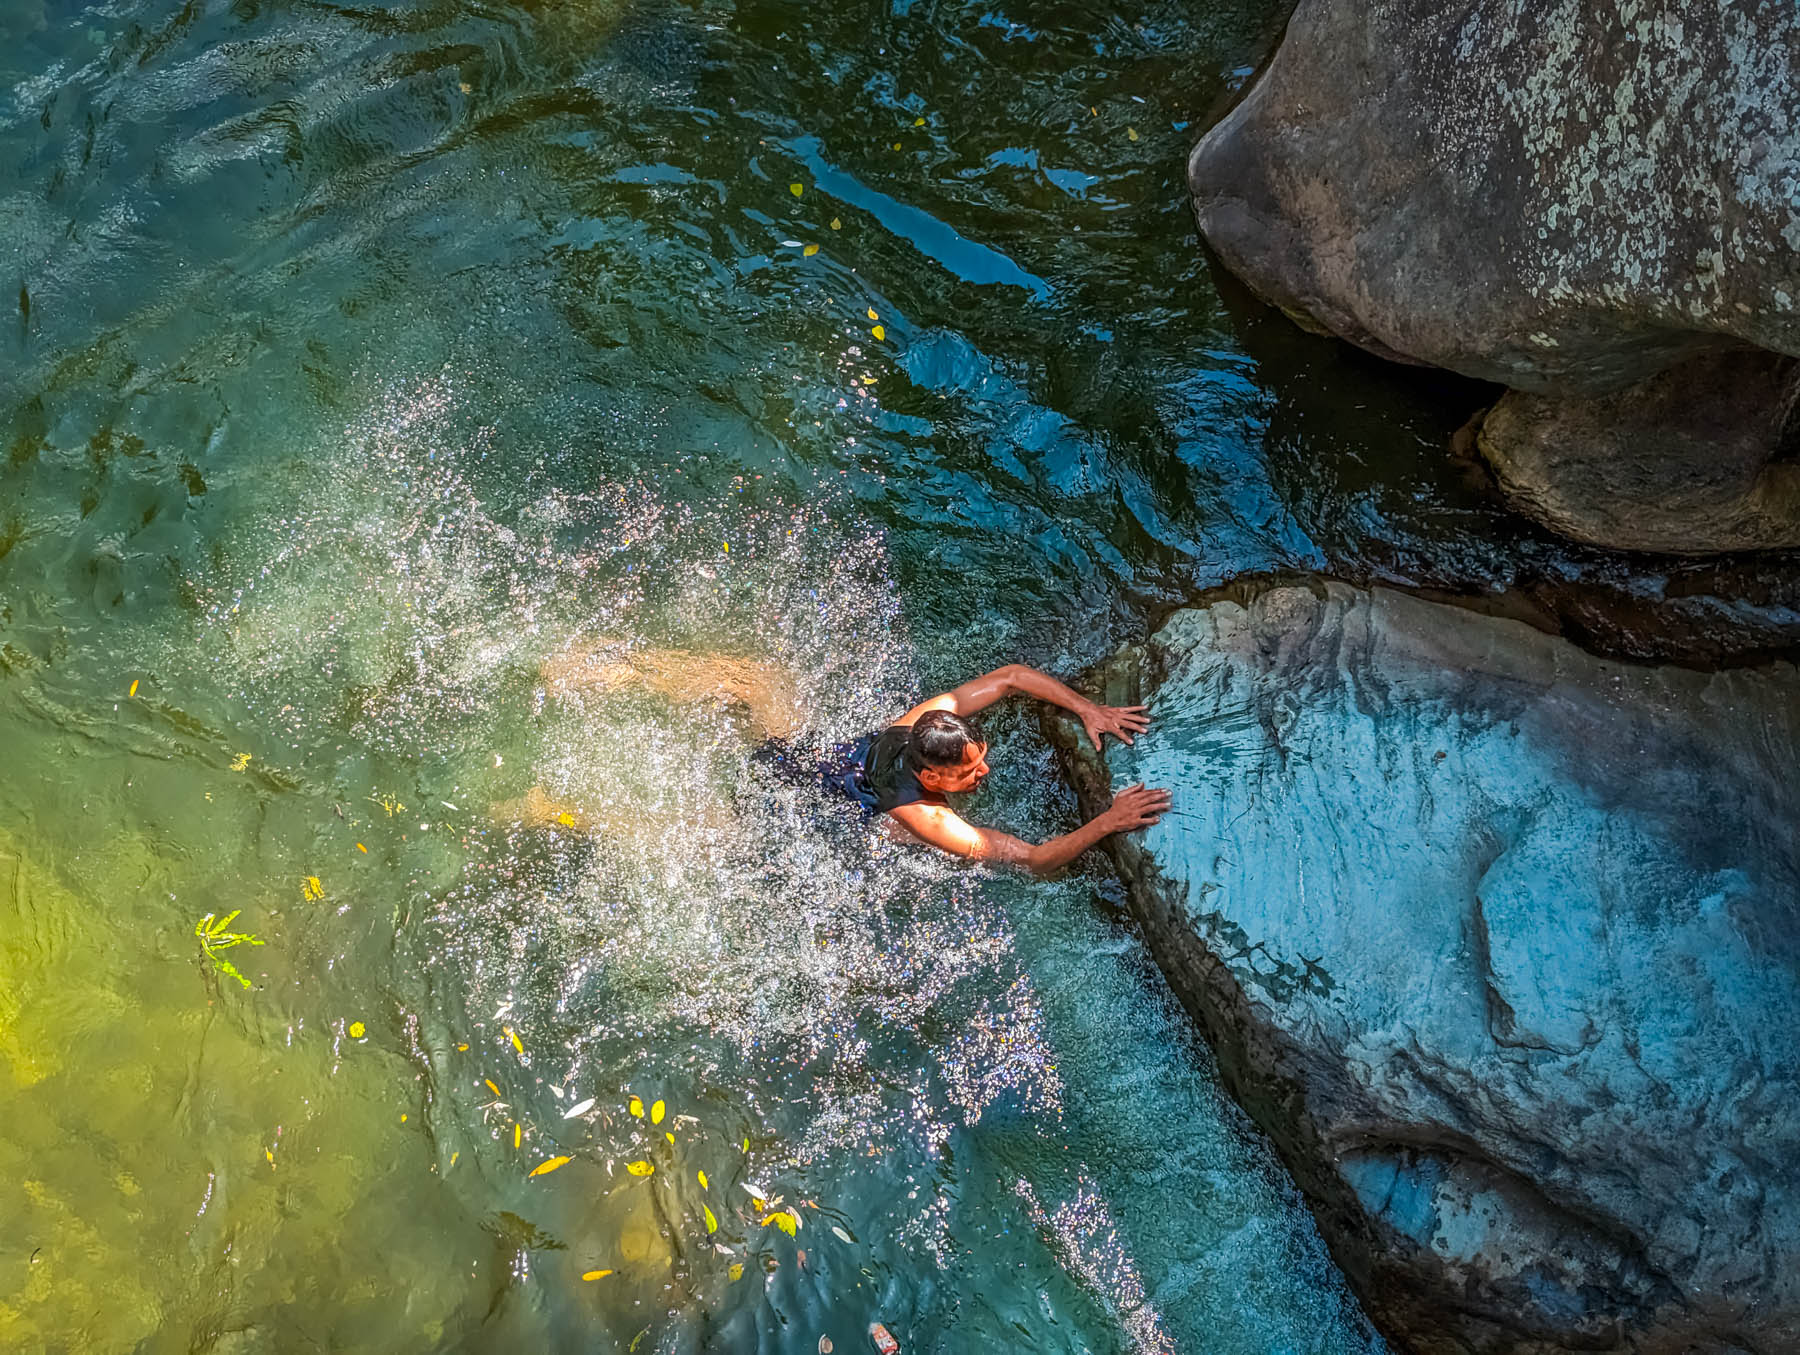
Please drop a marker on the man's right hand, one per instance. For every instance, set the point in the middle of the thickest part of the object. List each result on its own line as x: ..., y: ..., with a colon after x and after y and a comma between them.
x: 1135, y: 807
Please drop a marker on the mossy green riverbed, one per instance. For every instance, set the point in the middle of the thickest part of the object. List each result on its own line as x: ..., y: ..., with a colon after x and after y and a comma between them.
x: 366, y: 356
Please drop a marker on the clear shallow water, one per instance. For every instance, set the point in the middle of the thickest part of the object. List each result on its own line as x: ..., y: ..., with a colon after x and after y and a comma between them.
x: 366, y: 356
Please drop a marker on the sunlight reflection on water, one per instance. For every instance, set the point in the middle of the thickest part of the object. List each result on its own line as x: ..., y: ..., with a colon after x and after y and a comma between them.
x: 826, y: 1013
x: 365, y: 371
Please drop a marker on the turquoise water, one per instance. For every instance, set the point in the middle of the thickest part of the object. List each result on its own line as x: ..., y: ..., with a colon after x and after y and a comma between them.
x: 365, y: 357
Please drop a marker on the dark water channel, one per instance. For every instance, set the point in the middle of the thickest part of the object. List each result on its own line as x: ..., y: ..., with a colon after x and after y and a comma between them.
x: 365, y: 356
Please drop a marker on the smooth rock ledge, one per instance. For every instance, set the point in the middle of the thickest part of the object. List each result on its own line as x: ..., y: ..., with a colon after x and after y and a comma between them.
x: 1500, y: 943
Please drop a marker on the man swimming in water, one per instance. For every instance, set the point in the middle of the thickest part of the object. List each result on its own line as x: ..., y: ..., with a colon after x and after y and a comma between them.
x: 907, y: 772
x: 935, y: 750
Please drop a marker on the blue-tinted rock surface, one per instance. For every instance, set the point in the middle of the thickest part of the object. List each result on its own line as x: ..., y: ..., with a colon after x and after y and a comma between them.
x: 1498, y: 941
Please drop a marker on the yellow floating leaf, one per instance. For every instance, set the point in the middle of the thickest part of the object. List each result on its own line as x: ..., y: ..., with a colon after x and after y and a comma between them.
x: 545, y: 1168
x: 518, y: 1134
x: 596, y: 1275
x: 311, y: 888
x: 836, y: 225
x: 364, y: 850
x: 514, y: 1038
x: 1094, y: 111
x: 133, y: 691
x: 639, y: 1168
x: 566, y: 819
x: 241, y: 761
x: 1131, y: 132
x: 918, y: 122
x: 796, y: 189
x: 736, y: 1270
x: 701, y: 1177
x: 867, y: 381
x: 670, y: 1137
x: 454, y: 1156
x: 636, y: 1107
x: 746, y: 1145
x: 490, y: 1084
x: 756, y: 1203
x: 784, y: 1219
x: 896, y: 145
x: 871, y: 313
x: 656, y: 1113
x: 810, y: 250
x: 462, y: 1049
x: 712, y: 1224
x: 270, y: 1156
x: 356, y: 1030
x: 880, y: 332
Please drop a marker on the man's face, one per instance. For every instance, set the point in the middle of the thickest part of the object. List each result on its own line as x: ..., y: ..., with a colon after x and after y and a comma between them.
x: 965, y: 775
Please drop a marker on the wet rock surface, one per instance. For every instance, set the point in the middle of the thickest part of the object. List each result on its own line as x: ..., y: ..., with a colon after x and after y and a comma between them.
x: 1557, y: 195
x: 1497, y: 940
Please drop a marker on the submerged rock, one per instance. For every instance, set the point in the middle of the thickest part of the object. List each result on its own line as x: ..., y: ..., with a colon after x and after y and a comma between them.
x: 1499, y: 943
x: 1562, y: 196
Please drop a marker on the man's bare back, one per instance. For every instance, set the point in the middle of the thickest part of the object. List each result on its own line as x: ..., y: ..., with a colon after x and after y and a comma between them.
x: 905, y: 773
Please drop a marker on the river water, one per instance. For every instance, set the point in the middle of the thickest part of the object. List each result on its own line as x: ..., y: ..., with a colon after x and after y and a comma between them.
x: 365, y: 356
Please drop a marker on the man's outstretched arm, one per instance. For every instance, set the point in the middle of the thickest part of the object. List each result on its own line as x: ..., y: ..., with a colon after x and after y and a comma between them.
x: 1132, y: 808
x: 1018, y: 679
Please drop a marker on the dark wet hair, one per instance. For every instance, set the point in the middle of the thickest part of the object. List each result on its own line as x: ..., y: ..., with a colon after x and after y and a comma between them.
x: 939, y: 737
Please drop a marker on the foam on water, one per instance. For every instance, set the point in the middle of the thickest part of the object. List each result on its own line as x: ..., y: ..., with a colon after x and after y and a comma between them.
x: 847, y: 1025
x: 375, y: 357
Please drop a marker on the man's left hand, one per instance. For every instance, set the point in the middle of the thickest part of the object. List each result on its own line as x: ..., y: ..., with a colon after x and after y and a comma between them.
x: 1122, y: 722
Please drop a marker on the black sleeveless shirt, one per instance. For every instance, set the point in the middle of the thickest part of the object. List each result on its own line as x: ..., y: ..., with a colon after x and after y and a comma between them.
x: 886, y: 780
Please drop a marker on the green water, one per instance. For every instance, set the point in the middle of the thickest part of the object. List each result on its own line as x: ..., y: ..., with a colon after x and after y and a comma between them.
x: 367, y: 355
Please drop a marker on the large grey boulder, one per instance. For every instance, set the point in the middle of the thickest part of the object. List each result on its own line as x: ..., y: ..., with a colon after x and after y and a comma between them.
x: 1564, y: 196
x: 1501, y: 944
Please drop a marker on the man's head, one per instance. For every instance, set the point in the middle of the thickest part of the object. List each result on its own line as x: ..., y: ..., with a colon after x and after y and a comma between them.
x: 947, y: 752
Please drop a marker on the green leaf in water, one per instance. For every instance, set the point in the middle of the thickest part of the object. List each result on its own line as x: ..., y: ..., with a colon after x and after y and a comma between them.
x: 214, y: 938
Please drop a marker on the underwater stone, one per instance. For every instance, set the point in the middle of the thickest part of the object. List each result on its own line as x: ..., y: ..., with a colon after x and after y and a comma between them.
x: 1497, y: 941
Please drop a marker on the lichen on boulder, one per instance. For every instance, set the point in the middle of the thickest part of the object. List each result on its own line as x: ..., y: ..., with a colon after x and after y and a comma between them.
x: 1561, y: 196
